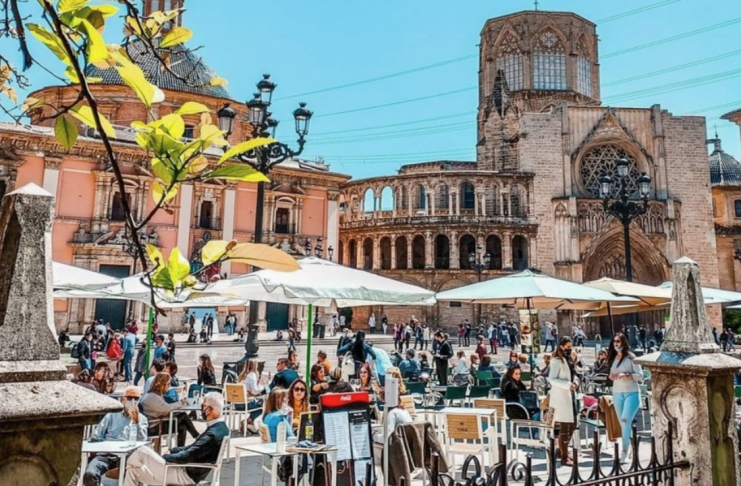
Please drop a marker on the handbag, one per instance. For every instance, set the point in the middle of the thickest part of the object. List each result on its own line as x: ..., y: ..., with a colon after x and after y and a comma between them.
x: 548, y: 411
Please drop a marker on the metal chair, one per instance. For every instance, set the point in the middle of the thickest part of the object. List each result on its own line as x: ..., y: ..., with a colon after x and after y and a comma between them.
x: 478, y: 391
x: 465, y: 436
x: 416, y: 387
x: 455, y: 393
x: 483, y: 377
x: 235, y: 394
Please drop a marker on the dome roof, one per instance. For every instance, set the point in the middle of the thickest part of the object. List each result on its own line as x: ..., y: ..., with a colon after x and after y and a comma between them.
x: 183, y: 62
x: 724, y: 169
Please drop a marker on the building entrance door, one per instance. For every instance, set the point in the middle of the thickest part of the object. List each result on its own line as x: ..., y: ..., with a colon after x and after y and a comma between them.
x: 112, y: 311
x: 277, y: 316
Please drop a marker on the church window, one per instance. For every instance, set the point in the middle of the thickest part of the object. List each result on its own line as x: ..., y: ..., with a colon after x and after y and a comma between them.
x: 603, y: 160
x: 117, y: 209
x: 509, y: 60
x: 549, y: 63
x: 468, y: 196
x: 189, y: 132
x: 583, y: 70
x: 737, y: 208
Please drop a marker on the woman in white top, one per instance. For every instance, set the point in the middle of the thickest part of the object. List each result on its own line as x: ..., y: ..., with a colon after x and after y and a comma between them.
x: 625, y: 375
x: 564, y: 381
x: 255, y: 387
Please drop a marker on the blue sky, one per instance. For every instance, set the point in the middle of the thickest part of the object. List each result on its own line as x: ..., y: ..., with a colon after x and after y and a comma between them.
x: 312, y: 45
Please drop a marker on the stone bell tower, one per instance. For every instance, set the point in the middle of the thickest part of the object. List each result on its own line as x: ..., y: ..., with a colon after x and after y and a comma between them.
x: 531, y: 62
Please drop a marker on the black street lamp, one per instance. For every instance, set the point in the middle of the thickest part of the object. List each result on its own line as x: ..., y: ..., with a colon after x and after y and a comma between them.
x: 479, y: 263
x: 621, y: 207
x: 264, y: 159
x: 318, y: 249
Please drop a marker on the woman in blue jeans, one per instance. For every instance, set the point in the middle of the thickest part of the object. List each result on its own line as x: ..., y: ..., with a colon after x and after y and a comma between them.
x: 625, y: 375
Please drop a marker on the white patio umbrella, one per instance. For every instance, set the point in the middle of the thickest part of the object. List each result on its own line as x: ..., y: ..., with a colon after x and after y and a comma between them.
x: 321, y: 283
x: 712, y: 295
x: 71, y: 277
x: 530, y: 290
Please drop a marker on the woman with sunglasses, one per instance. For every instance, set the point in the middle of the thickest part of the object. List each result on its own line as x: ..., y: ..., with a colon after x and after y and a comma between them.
x: 625, y: 374
x: 564, y: 382
x: 298, y: 400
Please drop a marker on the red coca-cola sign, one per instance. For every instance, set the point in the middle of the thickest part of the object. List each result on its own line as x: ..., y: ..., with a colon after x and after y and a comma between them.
x: 338, y: 400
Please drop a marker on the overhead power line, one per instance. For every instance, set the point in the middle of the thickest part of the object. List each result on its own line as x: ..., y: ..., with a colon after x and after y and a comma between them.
x: 413, y: 122
x: 461, y: 58
x: 666, y: 40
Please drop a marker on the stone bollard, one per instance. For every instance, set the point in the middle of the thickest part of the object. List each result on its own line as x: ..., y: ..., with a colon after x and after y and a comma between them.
x: 42, y: 415
x: 693, y: 389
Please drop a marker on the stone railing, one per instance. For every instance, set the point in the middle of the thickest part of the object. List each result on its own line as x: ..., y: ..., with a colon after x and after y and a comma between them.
x: 382, y: 219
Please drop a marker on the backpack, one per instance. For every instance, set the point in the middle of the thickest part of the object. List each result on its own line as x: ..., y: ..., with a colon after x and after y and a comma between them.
x: 554, y: 333
x: 75, y: 352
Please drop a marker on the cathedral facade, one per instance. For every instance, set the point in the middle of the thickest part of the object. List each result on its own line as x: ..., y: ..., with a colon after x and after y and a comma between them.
x: 532, y: 197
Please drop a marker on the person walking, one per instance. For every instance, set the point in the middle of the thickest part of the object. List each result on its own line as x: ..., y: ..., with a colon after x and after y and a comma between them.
x: 551, y: 334
x: 128, y: 349
x: 723, y: 340
x: 564, y: 382
x: 467, y: 334
x: 397, y: 337
x: 372, y: 323
x: 425, y: 336
x: 407, y: 334
x: 625, y: 374
x: 491, y: 334
x: 384, y: 323
x: 642, y: 337
x: 442, y: 355
x: 461, y: 335
x: 418, y: 336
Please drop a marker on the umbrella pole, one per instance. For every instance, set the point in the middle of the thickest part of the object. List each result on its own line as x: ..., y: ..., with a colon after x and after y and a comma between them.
x: 612, y: 326
x: 310, y: 333
x: 532, y: 345
x: 148, y: 342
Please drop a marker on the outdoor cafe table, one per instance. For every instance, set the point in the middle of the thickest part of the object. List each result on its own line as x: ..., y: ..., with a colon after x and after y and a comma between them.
x: 270, y: 449
x: 115, y: 447
x: 193, y: 405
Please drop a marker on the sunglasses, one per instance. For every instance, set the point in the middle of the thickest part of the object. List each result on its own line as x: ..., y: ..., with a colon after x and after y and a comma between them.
x: 133, y: 399
x: 302, y: 390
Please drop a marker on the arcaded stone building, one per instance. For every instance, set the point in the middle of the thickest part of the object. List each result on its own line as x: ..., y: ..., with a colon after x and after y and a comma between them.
x: 531, y: 199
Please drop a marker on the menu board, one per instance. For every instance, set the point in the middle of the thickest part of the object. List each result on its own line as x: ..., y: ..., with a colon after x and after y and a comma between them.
x: 346, y: 424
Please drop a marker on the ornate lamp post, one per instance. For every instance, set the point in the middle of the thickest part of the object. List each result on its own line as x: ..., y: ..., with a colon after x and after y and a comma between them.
x: 625, y: 211
x: 318, y: 249
x: 479, y: 263
x: 264, y: 159
x: 621, y: 207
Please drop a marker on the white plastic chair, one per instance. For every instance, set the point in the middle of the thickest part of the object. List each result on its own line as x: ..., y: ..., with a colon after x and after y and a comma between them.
x: 216, y: 467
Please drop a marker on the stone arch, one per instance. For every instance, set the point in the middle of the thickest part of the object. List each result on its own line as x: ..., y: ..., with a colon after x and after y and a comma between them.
x: 520, y: 253
x: 493, y: 199
x: 442, y: 252
x: 387, y: 199
x: 600, y: 157
x: 519, y: 200
x: 352, y: 250
x: 467, y: 195
x: 418, y: 252
x: 401, y: 199
x: 494, y: 249
x: 607, y: 253
x: 466, y: 246
x: 419, y: 197
x: 385, y: 253
x: 442, y: 193
x: 401, y: 245
x: 368, y: 254
x: 369, y: 200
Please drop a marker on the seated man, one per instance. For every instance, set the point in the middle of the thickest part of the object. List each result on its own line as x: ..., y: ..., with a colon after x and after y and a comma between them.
x: 285, y: 375
x: 116, y: 427
x: 410, y: 367
x: 146, y: 466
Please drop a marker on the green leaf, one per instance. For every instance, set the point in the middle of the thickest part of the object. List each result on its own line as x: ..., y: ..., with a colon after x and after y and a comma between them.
x: 211, y: 135
x: 96, y: 47
x: 178, y: 266
x: 133, y: 76
x: 245, y: 147
x: 50, y: 40
x: 173, y: 124
x: 158, y: 192
x: 66, y: 132
x: 72, y: 75
x: 161, y: 170
x: 192, y: 108
x: 213, y: 251
x: 237, y: 172
x: 178, y: 35
x: 71, y: 5
x: 85, y: 115
x: 162, y: 144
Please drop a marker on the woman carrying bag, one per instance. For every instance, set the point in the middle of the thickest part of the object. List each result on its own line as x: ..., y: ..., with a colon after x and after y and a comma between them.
x: 562, y: 398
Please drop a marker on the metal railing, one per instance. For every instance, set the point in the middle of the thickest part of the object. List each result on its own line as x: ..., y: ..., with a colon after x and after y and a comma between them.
x: 658, y: 471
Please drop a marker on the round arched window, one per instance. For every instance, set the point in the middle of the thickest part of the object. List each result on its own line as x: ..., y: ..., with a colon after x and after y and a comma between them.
x: 603, y: 160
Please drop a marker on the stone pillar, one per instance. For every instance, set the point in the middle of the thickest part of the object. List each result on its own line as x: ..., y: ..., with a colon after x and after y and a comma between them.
x: 376, y: 253
x: 475, y: 204
x: 451, y: 210
x: 410, y: 206
x: 506, y: 250
x: 457, y: 201
x: 455, y: 263
x: 432, y: 203
x: 230, y: 195
x: 359, y: 257
x: 42, y: 414
x: 429, y: 257
x: 299, y: 217
x: 410, y: 239
x: 693, y: 389
x: 393, y: 253
x: 482, y: 204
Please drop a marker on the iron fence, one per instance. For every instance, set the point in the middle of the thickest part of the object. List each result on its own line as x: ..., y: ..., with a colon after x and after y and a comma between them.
x: 658, y: 471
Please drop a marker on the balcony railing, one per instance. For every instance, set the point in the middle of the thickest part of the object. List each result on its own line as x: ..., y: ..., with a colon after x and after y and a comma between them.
x: 284, y: 229
x: 204, y: 222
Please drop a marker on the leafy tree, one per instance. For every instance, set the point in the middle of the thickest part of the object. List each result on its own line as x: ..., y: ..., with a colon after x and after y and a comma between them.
x: 73, y: 31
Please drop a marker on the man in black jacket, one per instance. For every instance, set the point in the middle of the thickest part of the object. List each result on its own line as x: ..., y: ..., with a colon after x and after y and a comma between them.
x: 147, y: 467
x: 442, y: 355
x: 285, y: 376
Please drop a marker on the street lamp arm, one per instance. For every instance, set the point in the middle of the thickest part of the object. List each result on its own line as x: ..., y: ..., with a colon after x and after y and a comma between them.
x: 265, y: 158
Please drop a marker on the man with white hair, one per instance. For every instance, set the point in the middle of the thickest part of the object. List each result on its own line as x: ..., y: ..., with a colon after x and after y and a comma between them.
x: 146, y: 466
